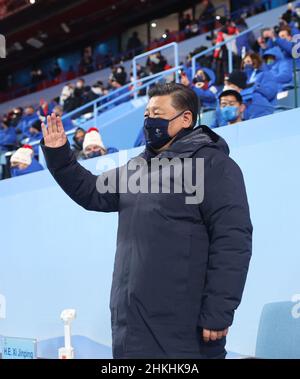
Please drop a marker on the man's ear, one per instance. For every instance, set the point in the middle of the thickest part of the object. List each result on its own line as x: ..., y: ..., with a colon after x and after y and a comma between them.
x: 242, y: 108
x: 188, y: 119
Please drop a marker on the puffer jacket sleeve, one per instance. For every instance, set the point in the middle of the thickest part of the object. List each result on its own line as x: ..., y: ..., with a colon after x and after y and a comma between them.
x: 266, y: 85
x: 226, y: 214
x: 285, y: 45
x: 79, y: 183
x: 284, y: 72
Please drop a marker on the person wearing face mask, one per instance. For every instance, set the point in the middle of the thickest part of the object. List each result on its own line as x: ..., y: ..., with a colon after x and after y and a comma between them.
x: 23, y: 162
x: 265, y: 40
x: 28, y: 118
x: 35, y: 131
x: 95, y: 92
x: 281, y: 68
x: 180, y: 265
x: 80, y: 85
x: 256, y: 104
x: 252, y: 66
x: 66, y: 94
x: 231, y: 107
x: 262, y: 79
x: 8, y: 137
x: 156, y: 63
x: 16, y: 116
x: 203, y: 87
x: 93, y: 146
x: 285, y: 42
x: 78, y: 141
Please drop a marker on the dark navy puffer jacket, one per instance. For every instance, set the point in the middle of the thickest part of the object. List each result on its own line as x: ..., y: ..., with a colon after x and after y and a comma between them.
x: 178, y: 267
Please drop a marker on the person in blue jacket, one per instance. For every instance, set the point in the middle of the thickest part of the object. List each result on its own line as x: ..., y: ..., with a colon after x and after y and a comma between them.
x: 231, y: 107
x: 203, y: 87
x: 256, y: 104
x: 280, y: 67
x: 188, y: 71
x: 287, y: 45
x: 8, y: 137
x: 284, y: 41
x: 28, y: 118
x: 46, y: 107
x: 22, y: 162
x: 262, y: 79
x: 67, y: 121
x: 182, y: 255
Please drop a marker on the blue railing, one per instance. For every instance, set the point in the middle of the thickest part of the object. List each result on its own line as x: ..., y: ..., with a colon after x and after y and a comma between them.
x: 135, y: 90
x: 150, y: 80
x: 107, y: 102
x: 227, y: 41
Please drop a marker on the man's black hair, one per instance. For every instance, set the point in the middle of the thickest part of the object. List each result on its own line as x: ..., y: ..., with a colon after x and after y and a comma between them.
x: 37, y: 125
x: 231, y: 92
x: 183, y: 98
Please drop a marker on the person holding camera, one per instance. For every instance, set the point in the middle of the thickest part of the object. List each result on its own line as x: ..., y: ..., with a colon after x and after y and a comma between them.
x: 280, y: 37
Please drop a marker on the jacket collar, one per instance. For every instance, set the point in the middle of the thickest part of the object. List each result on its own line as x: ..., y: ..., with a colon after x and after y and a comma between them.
x: 187, y: 142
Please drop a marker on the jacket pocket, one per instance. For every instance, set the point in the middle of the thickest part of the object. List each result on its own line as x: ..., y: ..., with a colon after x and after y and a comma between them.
x: 159, y: 277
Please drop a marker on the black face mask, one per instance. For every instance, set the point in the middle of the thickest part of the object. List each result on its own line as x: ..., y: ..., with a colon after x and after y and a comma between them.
x: 198, y: 79
x: 156, y: 131
x: 94, y: 154
x: 79, y: 142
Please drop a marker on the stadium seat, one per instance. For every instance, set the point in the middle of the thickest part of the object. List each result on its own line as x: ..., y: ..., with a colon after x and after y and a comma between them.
x: 279, y: 332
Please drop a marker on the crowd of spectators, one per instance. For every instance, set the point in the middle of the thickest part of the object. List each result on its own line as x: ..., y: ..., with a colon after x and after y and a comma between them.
x: 263, y: 67
x: 91, y: 61
x: 21, y: 128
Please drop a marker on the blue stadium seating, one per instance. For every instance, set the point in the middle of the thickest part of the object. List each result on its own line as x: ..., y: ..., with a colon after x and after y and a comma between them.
x: 278, y: 334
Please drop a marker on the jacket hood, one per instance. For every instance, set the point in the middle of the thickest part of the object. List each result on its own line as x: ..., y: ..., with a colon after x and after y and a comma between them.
x: 191, y: 142
x: 275, y: 51
x: 210, y: 74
